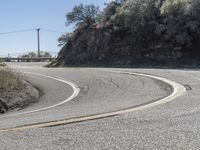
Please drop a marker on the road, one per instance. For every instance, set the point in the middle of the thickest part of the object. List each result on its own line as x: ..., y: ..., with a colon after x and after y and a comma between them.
x: 171, y: 125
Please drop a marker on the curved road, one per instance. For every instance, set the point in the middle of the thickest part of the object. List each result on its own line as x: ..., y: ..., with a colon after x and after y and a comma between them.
x: 173, y: 125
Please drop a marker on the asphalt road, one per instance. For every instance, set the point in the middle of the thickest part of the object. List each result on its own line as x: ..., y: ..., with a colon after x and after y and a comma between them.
x: 173, y: 125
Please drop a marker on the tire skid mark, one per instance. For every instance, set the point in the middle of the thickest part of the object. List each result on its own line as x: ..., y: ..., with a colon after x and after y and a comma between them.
x: 177, y: 91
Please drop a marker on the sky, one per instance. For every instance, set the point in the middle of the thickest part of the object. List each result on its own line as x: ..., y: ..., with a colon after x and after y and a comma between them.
x: 49, y: 15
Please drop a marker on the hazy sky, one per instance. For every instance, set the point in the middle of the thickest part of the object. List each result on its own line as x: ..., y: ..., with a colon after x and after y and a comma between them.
x: 19, y: 15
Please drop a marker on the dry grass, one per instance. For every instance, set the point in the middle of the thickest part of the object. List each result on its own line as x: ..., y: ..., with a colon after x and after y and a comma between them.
x: 10, y: 80
x: 2, y: 64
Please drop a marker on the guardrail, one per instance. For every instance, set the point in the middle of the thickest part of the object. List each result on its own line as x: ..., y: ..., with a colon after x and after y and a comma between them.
x: 28, y: 59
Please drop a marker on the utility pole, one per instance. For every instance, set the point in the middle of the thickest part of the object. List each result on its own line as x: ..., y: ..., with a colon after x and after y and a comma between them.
x: 38, y: 37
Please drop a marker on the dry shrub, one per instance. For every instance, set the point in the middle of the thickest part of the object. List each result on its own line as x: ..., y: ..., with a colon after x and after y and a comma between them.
x: 10, y: 80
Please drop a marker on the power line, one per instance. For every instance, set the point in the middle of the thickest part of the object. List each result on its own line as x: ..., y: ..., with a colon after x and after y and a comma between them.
x: 27, y: 30
x: 19, y: 31
x: 50, y: 30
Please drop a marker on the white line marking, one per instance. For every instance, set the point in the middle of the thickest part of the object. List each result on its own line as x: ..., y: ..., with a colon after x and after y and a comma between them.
x: 76, y: 91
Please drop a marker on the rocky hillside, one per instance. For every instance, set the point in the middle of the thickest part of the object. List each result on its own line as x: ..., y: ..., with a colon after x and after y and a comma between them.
x: 133, y: 32
x: 96, y: 46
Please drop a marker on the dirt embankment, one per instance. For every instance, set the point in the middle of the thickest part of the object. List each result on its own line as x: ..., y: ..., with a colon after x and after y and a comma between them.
x: 17, y: 100
x: 15, y: 92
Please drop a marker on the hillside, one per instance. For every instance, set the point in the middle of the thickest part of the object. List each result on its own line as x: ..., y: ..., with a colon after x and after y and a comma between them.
x: 135, y: 33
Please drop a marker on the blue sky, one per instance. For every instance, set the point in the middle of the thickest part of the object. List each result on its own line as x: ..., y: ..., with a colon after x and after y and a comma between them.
x: 31, y: 14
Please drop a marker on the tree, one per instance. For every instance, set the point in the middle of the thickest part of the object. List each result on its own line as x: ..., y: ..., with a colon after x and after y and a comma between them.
x: 45, y: 54
x: 82, y: 14
x: 142, y: 18
x: 64, y: 39
x: 34, y: 55
x: 109, y: 11
x: 181, y: 23
x: 29, y: 55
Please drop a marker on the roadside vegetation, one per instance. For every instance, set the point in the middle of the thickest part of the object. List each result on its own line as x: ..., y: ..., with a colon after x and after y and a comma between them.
x: 34, y: 55
x: 127, y: 31
x: 10, y: 81
x: 10, y: 84
x: 2, y: 64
